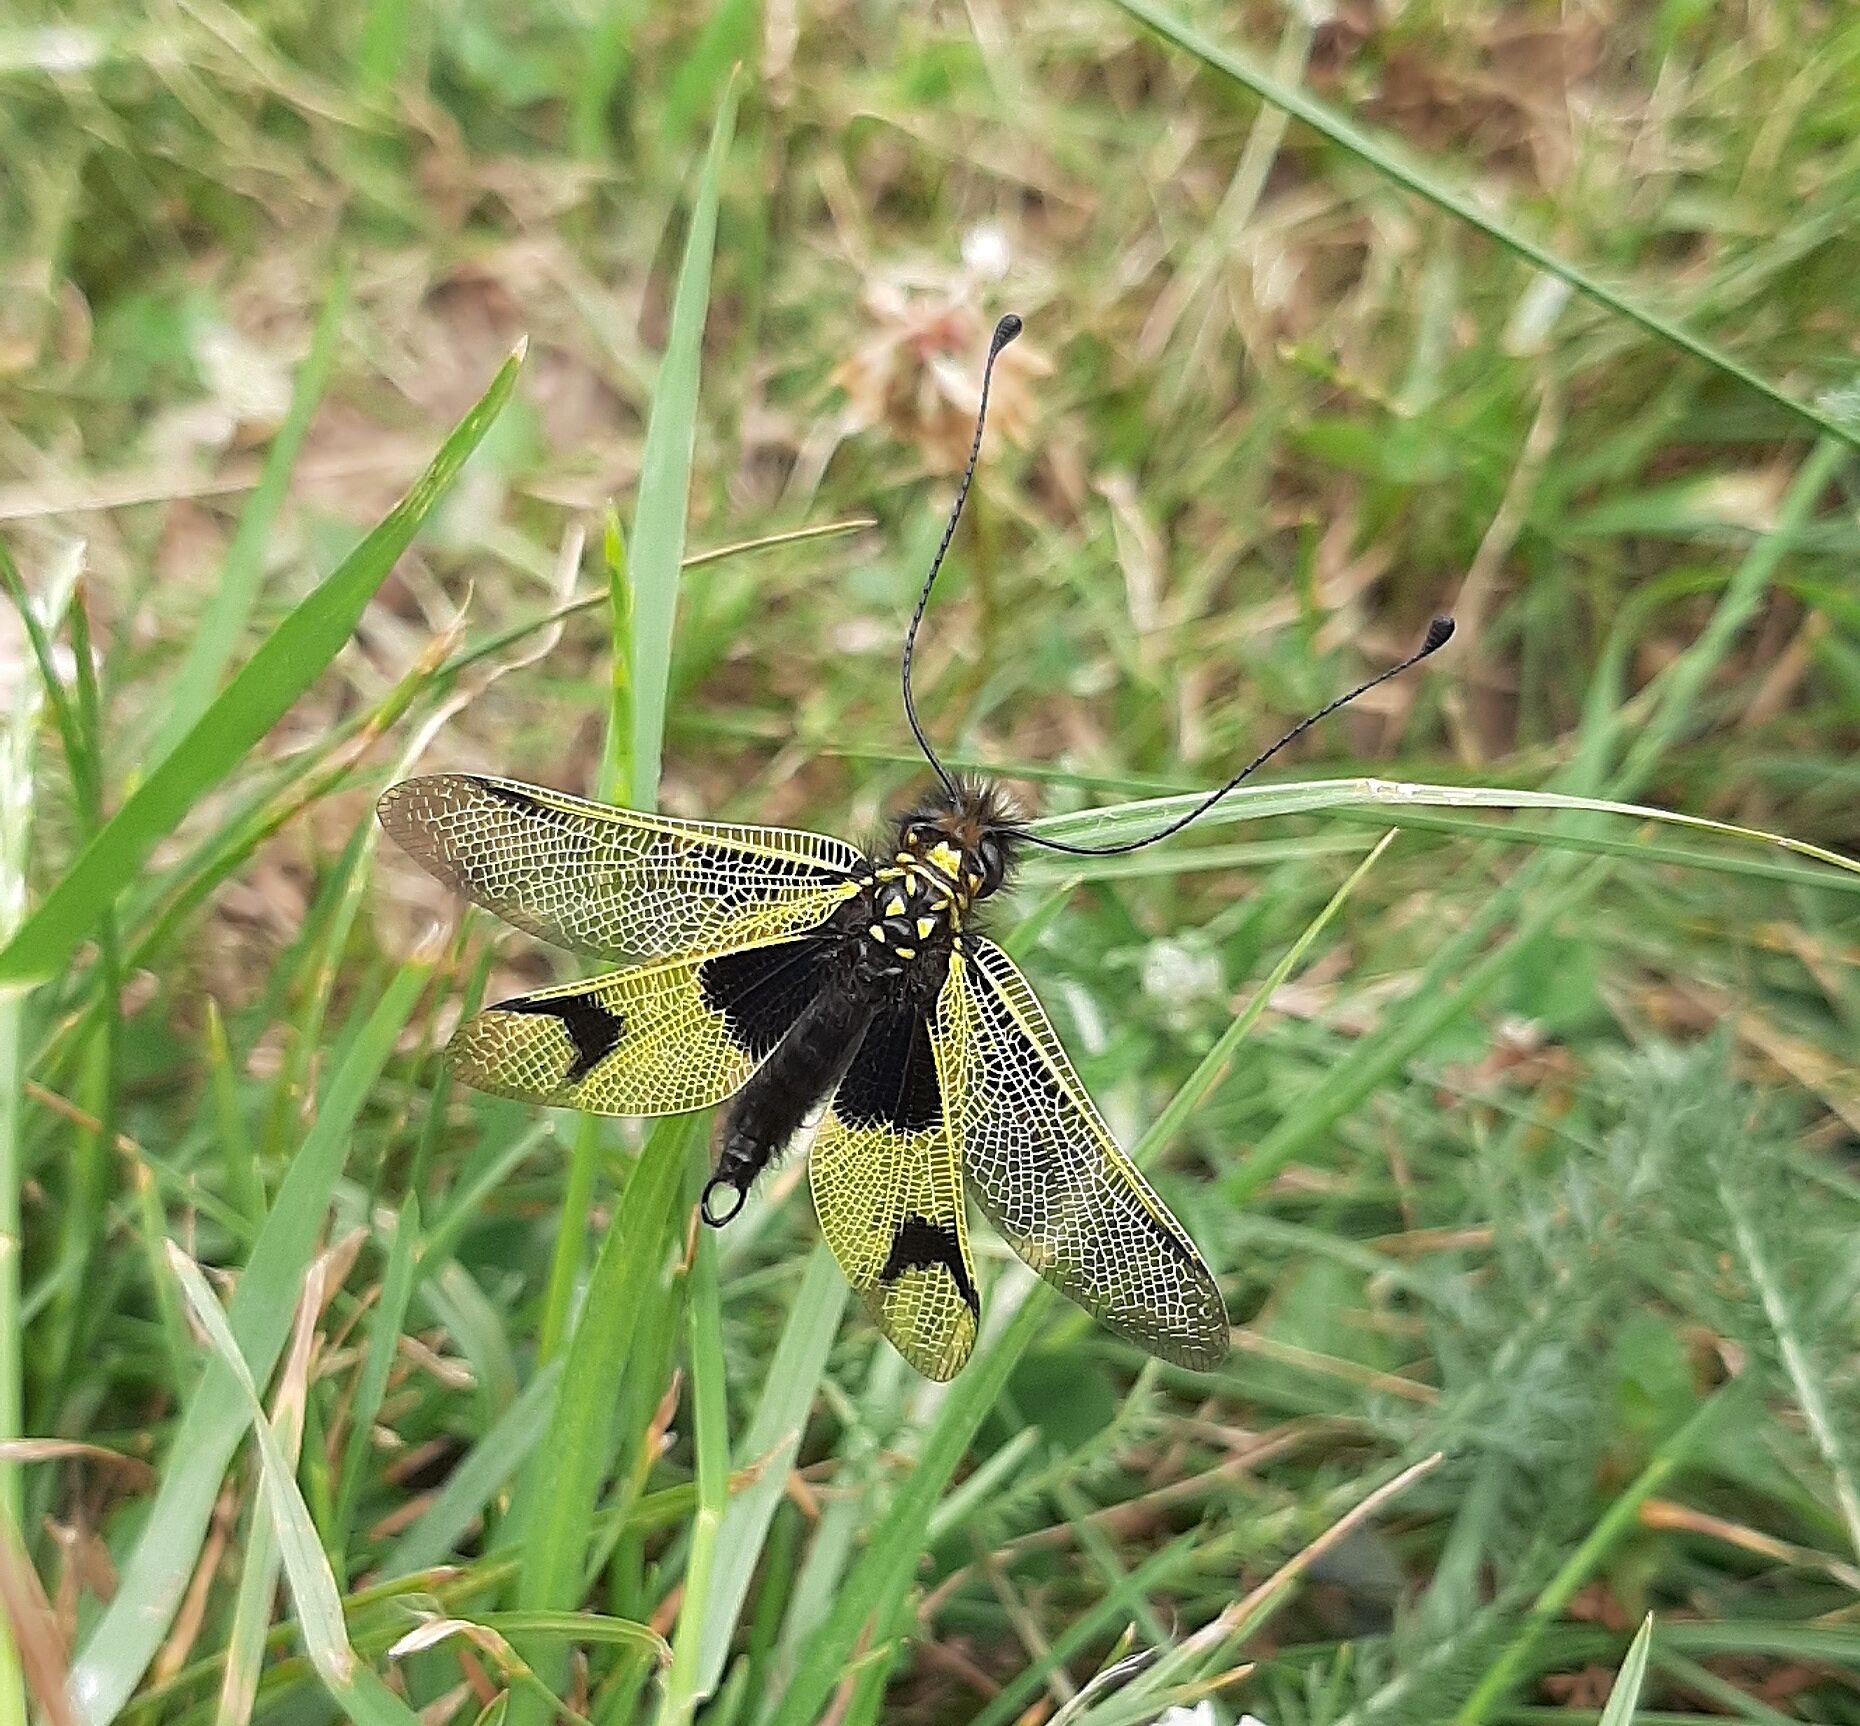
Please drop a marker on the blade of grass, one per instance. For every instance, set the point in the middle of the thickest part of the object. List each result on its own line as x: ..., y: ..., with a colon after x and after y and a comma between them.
x: 1674, y: 695
x: 564, y: 1483
x: 217, y: 630
x: 1625, y: 1691
x: 1640, y: 849
x: 619, y: 596
x: 1213, y: 1066
x: 884, y: 1569
x: 504, y: 638
x: 243, y: 1186
x: 1094, y: 1625
x: 1239, y: 1618
x: 1456, y: 976
x: 684, y: 1684
x: 288, y: 661
x: 383, y: 47
x: 770, y: 1444
x: 1654, y: 716
x: 494, y: 1459
x: 643, y: 589
x: 657, y: 546
x: 313, y: 1587
x: 383, y: 1339
x: 91, y: 1164
x: 19, y: 730
x: 77, y: 716
x: 643, y: 593
x: 580, y: 1627
x: 1394, y: 162
x: 156, y: 1574
x: 1304, y: 797
x: 258, y: 1572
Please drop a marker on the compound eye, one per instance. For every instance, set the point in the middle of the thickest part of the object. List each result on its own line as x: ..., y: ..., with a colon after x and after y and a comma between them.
x: 989, y: 854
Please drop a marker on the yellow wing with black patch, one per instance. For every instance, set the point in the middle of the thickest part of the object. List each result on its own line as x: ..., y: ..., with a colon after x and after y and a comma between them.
x: 656, y: 1040
x: 610, y: 882
x: 1050, y: 1177
x: 888, y: 1191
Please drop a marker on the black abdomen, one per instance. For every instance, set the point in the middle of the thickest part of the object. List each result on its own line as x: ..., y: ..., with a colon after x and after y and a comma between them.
x: 796, y: 1079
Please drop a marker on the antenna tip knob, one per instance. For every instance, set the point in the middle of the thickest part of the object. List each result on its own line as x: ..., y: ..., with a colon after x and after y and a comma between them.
x: 1439, y: 633
x: 1005, y: 331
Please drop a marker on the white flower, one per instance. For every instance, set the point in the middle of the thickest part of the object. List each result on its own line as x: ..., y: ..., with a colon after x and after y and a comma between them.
x: 985, y: 251
x: 1202, y: 1714
x: 1180, y: 971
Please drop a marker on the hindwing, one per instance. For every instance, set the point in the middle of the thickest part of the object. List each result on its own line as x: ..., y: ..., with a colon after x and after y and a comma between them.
x: 887, y: 1187
x: 656, y: 1040
x: 610, y: 882
x: 1050, y: 1177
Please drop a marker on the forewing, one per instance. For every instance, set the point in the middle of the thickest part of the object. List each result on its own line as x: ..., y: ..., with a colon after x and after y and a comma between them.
x: 1044, y: 1167
x: 888, y: 1191
x: 655, y: 1040
x: 611, y: 882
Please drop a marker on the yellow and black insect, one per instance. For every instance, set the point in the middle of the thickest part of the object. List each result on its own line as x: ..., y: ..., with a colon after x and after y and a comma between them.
x: 785, y: 971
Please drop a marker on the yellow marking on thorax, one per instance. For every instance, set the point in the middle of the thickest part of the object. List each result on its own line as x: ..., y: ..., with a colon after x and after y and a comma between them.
x: 937, y: 877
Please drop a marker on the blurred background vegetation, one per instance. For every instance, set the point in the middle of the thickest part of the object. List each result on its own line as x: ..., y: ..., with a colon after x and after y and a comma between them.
x: 1543, y: 1156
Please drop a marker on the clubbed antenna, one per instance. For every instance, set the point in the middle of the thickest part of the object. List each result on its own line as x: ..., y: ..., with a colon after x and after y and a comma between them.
x: 1439, y: 633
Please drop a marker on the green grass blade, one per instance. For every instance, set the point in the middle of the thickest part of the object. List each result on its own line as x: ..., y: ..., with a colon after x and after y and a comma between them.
x: 383, y: 47
x: 1626, y: 1690
x: 1212, y: 1067
x: 1118, y: 1606
x: 126, y: 1637
x: 657, y: 546
x: 313, y: 1585
x: 884, y: 1569
x: 19, y: 720
x: 1457, y: 975
x: 615, y: 760
x: 53, y: 693
x: 290, y: 659
x: 773, y: 1437
x: 1677, y: 691
x: 565, y: 1481
x: 580, y: 1627
x: 243, y: 1185
x: 643, y: 593
x: 1389, y: 797
x: 496, y: 643
x: 1394, y: 162
x: 383, y: 1339
x: 244, y: 1655
x: 684, y: 1686
x: 469, y: 1488
x: 216, y: 633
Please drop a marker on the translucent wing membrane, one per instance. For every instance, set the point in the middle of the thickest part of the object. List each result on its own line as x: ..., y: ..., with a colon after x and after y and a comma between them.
x: 1047, y: 1172
x: 656, y: 1040
x: 888, y: 1191
x: 610, y: 882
